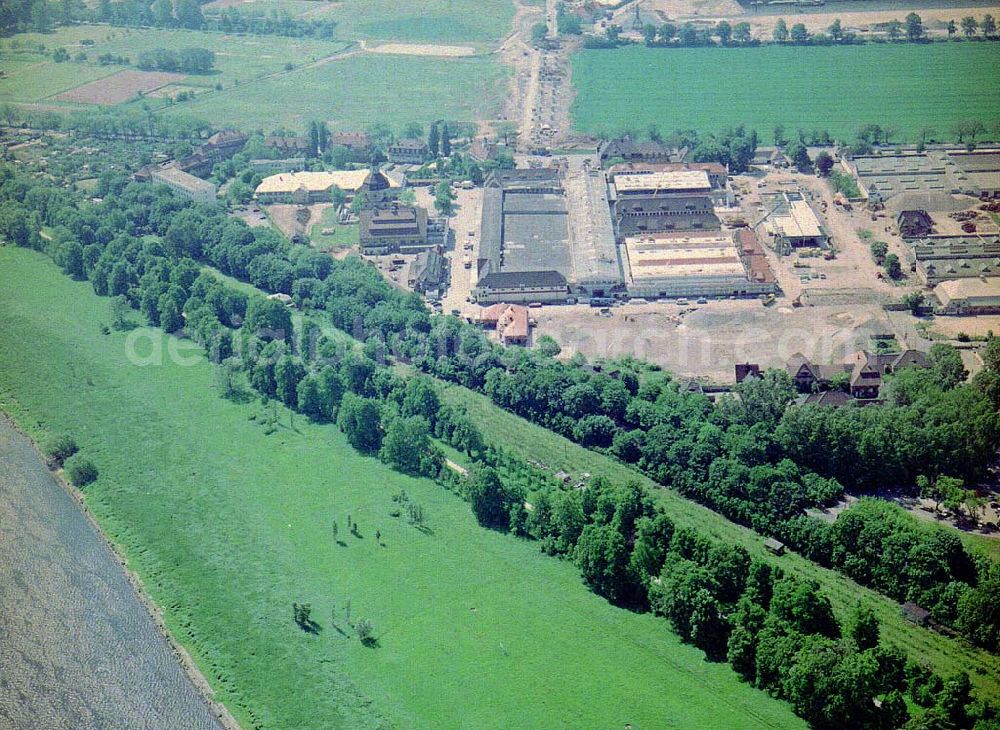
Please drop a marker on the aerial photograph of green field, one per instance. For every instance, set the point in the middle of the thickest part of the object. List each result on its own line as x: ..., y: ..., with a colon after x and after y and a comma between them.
x: 499, y: 365
x: 837, y: 89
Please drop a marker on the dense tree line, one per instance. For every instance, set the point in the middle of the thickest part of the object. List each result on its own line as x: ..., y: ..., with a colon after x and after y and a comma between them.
x: 188, y: 60
x: 751, y: 458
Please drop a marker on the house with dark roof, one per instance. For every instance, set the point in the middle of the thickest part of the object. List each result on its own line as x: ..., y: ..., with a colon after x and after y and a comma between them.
x: 746, y: 370
x: 483, y: 150
x: 223, y: 145
x: 358, y: 145
x: 627, y: 149
x: 429, y: 271
x: 392, y: 229
x: 865, y: 372
x: 292, y: 146
x: 652, y: 213
x: 408, y: 152
x: 831, y: 398
x: 914, y: 224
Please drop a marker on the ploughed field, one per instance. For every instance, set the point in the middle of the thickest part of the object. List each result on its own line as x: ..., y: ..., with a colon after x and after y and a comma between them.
x: 904, y: 86
x: 228, y: 526
x: 79, y: 649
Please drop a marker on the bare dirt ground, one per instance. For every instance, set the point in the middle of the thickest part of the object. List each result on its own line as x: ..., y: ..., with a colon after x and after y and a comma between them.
x: 978, y: 326
x: 708, y: 340
x: 853, y: 270
x: 118, y: 87
x: 283, y: 217
x: 415, y: 49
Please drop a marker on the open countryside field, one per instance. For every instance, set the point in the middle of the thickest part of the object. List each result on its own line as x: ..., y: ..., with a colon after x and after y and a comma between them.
x: 33, y: 76
x: 258, y: 91
x: 903, y: 86
x: 355, y: 91
x: 227, y: 526
x: 424, y: 21
x: 532, y: 442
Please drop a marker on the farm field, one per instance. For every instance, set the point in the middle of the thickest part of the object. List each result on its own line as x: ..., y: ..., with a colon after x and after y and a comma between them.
x: 227, y: 526
x: 34, y: 76
x: 535, y: 443
x: 355, y: 91
x: 838, y: 89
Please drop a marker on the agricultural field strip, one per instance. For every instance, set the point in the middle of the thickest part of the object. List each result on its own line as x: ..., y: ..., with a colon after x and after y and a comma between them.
x: 550, y: 623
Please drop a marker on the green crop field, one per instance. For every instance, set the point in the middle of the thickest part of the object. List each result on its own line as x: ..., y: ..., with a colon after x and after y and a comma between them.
x: 534, y: 443
x: 355, y: 91
x: 227, y: 526
x: 425, y: 21
x: 838, y: 89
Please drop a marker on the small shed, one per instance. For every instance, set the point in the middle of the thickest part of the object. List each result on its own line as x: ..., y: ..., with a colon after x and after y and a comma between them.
x: 915, y: 614
x: 774, y: 546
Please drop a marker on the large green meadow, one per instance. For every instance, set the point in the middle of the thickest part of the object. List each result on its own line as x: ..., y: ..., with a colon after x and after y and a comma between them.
x: 357, y: 91
x: 227, y: 526
x: 261, y: 82
x: 907, y: 87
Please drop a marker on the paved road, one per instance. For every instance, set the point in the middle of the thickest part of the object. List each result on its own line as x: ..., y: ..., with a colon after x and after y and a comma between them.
x: 77, y: 648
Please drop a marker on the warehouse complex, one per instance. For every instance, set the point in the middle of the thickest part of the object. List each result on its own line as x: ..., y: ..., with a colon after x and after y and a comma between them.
x: 643, y: 228
x: 881, y: 177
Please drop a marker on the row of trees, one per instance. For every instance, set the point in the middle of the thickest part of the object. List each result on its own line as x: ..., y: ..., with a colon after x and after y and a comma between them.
x: 187, y: 60
x: 752, y: 458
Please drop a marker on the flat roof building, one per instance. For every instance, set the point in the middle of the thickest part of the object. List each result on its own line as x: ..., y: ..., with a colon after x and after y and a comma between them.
x: 316, y: 187
x: 652, y: 183
x: 198, y: 190
x: 710, y: 263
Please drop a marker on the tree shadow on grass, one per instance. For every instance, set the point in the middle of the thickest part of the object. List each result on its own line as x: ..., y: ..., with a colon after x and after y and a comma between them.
x: 425, y: 529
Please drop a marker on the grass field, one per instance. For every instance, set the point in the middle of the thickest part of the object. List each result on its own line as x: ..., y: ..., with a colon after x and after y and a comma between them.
x: 227, y: 526
x: 359, y: 90
x: 258, y: 92
x: 838, y: 89
x: 535, y: 443
x: 425, y: 21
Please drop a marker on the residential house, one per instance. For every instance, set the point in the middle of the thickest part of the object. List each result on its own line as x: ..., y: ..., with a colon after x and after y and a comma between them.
x: 627, y: 149
x: 510, y: 321
x: 358, y: 145
x: 294, y: 146
x: 429, y: 272
x: 914, y: 224
x: 746, y: 370
x: 408, y: 152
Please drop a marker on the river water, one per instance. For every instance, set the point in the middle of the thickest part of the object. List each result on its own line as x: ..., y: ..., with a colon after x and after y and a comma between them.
x: 77, y: 648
